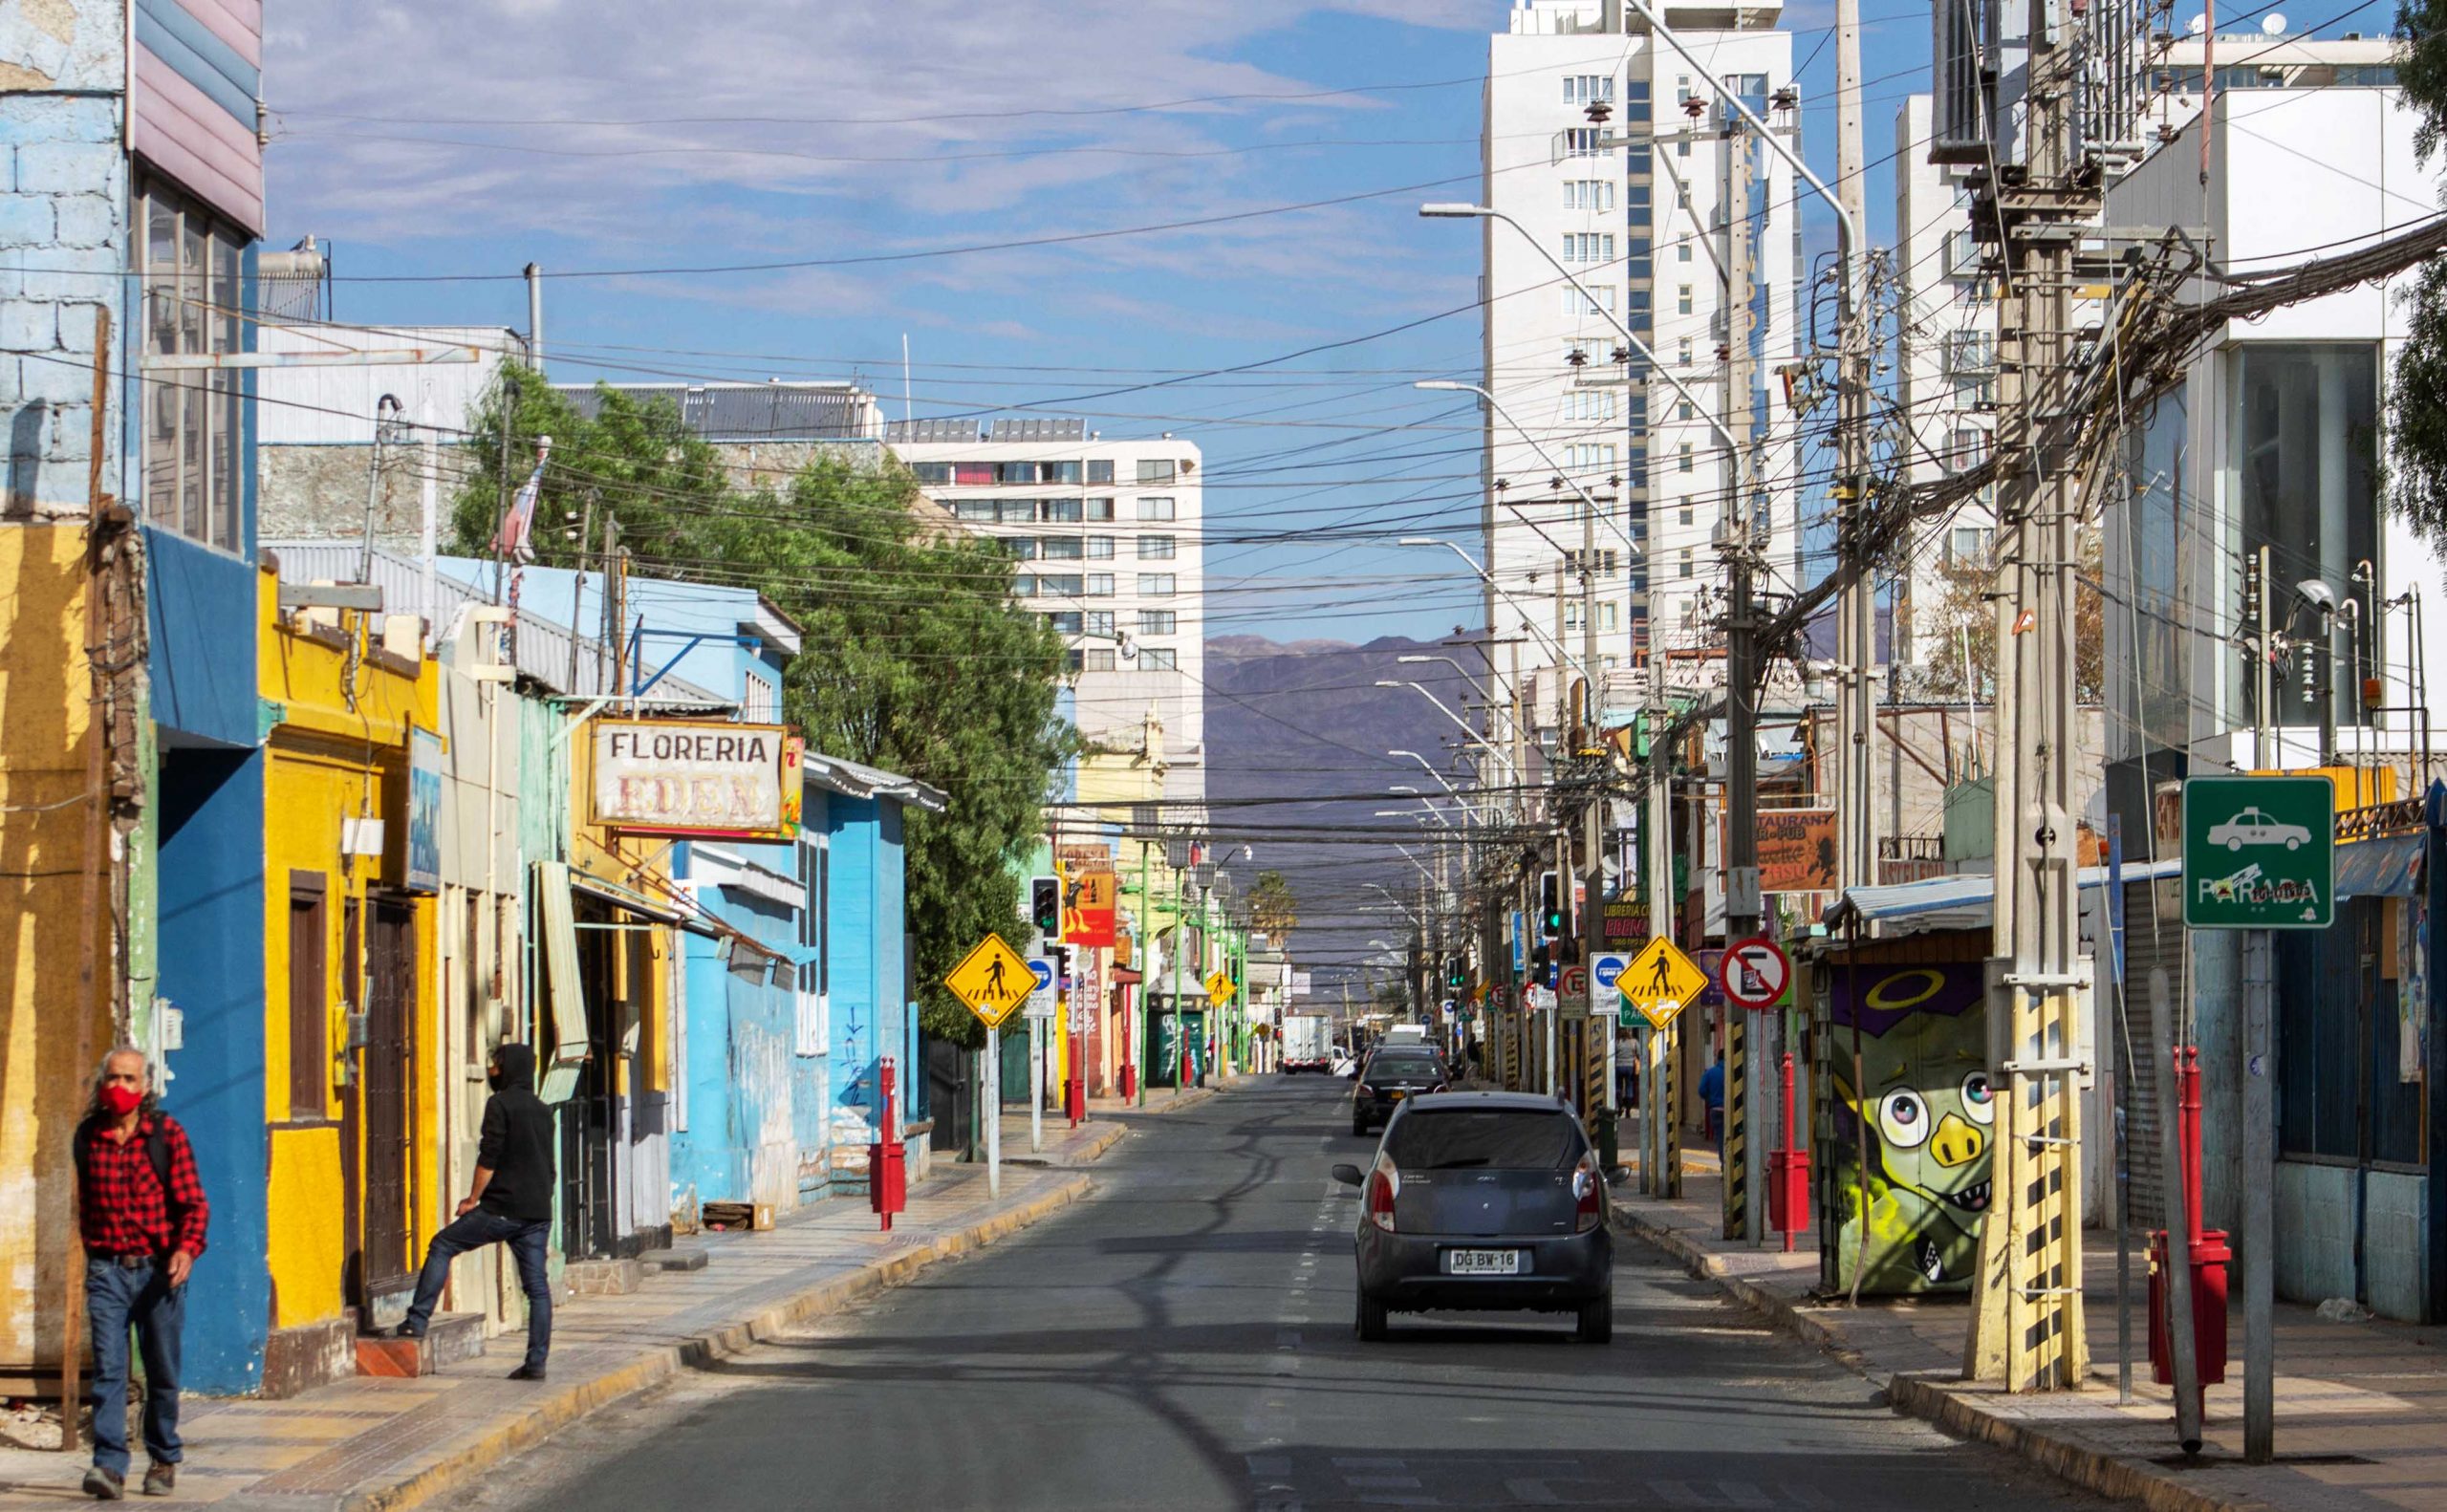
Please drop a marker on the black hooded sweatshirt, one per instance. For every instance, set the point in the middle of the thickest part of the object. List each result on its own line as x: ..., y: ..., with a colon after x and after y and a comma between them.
x: 516, y: 1144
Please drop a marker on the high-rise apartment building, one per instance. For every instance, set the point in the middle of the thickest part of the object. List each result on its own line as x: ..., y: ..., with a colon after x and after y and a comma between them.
x: 1107, y: 534
x: 1618, y: 161
x: 1945, y: 379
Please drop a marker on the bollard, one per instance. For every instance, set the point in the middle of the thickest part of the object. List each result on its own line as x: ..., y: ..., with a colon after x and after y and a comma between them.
x: 887, y: 1175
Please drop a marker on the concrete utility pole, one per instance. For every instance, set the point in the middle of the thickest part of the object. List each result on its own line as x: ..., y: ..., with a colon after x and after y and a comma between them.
x: 1744, y: 1186
x: 1856, y: 607
x: 2027, y: 1328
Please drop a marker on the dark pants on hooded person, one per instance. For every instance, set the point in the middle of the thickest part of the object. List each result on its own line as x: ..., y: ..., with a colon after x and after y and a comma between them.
x: 525, y: 1239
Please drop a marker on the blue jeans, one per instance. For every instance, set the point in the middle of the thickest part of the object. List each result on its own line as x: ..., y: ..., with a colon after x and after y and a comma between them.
x: 117, y: 1299
x: 526, y: 1241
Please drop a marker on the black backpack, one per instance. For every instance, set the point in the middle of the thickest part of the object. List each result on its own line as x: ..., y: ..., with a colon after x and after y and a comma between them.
x: 157, y: 1149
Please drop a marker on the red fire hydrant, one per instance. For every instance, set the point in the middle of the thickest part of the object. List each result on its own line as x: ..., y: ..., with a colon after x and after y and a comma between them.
x: 887, y: 1176
x: 2209, y: 1251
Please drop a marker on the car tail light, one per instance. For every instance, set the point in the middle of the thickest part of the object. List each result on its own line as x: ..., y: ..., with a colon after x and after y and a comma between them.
x: 1588, y: 1195
x: 1384, y: 1181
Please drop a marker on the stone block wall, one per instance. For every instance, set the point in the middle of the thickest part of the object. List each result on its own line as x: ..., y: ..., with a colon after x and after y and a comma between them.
x: 64, y: 197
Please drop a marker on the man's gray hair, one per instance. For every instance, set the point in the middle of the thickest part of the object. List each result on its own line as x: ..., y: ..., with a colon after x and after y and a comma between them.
x: 103, y: 1071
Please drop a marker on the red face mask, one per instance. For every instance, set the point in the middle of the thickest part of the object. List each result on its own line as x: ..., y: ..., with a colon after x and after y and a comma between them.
x: 121, y: 1101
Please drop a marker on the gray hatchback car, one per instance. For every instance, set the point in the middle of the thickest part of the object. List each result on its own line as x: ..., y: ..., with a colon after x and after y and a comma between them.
x: 1483, y: 1201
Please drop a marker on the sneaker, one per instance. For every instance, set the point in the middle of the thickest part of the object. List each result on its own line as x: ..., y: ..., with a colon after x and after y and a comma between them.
x: 105, y: 1485
x: 528, y: 1372
x: 401, y: 1332
x: 161, y: 1479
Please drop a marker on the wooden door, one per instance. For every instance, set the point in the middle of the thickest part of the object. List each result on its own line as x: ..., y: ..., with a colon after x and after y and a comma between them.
x: 389, y: 1121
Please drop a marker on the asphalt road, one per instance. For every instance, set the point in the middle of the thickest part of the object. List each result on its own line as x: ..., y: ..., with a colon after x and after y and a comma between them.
x: 1184, y: 1340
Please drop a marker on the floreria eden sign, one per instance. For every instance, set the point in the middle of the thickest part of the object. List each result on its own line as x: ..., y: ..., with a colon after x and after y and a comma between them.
x: 674, y: 777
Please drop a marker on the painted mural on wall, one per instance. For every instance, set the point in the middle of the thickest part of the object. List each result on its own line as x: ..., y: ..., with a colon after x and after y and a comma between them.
x: 1923, y: 1058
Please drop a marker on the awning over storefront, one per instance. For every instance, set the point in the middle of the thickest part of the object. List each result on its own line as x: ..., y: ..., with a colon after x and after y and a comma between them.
x: 567, y: 994
x: 2386, y: 868
x: 1956, y: 902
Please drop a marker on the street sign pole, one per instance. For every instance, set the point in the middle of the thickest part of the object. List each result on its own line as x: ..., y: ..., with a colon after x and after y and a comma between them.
x: 993, y: 1113
x: 1036, y: 1084
x: 2259, y: 1179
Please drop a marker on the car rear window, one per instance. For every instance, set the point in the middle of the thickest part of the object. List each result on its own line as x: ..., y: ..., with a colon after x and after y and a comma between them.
x: 1507, y: 1139
x: 1418, y: 1063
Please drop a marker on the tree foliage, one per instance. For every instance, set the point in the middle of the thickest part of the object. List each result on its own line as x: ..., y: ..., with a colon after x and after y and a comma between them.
x: 914, y: 657
x: 2416, y: 471
x: 1959, y: 632
x: 1274, y: 908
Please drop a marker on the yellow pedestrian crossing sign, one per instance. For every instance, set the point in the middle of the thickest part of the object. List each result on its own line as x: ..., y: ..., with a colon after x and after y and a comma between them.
x: 993, y: 980
x: 1660, y: 982
x: 1220, y: 989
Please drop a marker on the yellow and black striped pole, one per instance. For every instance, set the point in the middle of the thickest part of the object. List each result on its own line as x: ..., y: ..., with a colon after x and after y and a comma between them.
x: 1736, y: 1144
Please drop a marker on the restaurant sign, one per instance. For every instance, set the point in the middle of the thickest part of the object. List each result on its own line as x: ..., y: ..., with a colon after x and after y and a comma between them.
x: 683, y: 778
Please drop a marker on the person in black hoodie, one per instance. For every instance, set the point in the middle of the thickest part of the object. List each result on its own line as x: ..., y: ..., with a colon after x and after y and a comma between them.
x: 509, y: 1203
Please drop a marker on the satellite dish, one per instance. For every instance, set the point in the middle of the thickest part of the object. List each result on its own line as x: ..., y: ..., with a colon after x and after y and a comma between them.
x: 2274, y: 25
x: 2198, y: 25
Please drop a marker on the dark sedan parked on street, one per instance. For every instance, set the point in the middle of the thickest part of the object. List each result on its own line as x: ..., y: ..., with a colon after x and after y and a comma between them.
x: 1483, y: 1201
x: 1394, y: 1073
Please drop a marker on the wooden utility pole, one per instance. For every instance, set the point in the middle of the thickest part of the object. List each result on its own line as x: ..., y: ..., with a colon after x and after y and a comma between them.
x: 1737, y: 540
x: 2027, y: 1326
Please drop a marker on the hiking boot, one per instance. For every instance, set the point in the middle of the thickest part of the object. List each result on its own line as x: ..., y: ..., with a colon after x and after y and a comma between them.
x: 105, y: 1485
x: 161, y: 1479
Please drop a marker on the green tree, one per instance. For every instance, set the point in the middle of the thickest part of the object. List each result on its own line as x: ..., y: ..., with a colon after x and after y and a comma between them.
x: 1274, y: 908
x: 914, y: 657
x: 2418, y: 389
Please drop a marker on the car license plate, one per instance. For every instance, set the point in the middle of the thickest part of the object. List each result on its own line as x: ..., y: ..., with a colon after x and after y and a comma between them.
x: 1398, y: 1095
x: 1482, y: 1262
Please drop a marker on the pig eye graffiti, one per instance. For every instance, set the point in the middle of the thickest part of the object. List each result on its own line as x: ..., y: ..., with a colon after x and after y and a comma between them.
x: 1977, y: 1100
x: 1903, y: 1118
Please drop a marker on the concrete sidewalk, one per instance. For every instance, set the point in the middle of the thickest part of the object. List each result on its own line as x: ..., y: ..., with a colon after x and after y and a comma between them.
x: 368, y: 1443
x: 2361, y: 1407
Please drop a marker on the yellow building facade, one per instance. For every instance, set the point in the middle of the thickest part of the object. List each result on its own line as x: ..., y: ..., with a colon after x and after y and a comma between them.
x: 351, y: 1030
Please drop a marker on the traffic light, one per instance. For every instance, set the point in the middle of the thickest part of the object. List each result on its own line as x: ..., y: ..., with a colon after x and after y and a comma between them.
x: 1457, y: 971
x: 1539, y: 957
x: 1550, y: 905
x: 1044, y: 905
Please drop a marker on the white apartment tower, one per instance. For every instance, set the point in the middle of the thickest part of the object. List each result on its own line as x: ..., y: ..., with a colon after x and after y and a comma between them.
x: 1946, y: 379
x: 1108, y: 537
x: 1617, y: 159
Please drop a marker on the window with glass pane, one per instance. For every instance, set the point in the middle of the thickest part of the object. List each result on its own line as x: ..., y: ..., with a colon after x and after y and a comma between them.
x: 1155, y: 548
x: 1099, y: 508
x: 1021, y: 548
x: 1155, y: 585
x: 1097, y: 585
x: 1062, y: 473
x: 1100, y: 623
x: 1099, y: 547
x: 1100, y: 469
x: 1096, y: 658
x: 1064, y: 625
x: 1155, y: 622
x: 1155, y: 508
x: 931, y: 472
x: 1064, y: 583
x: 1157, y: 659
x: 978, y: 510
x: 193, y: 471
x: 1155, y: 470
x: 972, y: 472
x: 1058, y: 511
x: 1016, y: 511
x: 1063, y: 548
x: 1024, y: 586
x: 815, y: 1029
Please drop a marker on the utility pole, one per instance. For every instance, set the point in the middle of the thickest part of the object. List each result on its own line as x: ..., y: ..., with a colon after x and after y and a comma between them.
x: 2027, y: 1328
x: 1856, y: 607
x: 1744, y: 1185
x: 534, y: 274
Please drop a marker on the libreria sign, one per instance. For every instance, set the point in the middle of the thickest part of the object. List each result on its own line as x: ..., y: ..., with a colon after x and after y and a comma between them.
x: 673, y: 777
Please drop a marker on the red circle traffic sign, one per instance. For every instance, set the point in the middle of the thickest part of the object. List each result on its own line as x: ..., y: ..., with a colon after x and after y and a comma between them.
x: 1754, y: 973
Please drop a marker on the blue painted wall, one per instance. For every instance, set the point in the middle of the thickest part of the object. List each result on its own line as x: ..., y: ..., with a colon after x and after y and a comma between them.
x: 212, y: 968
x: 812, y: 1075
x: 854, y: 833
x: 200, y: 604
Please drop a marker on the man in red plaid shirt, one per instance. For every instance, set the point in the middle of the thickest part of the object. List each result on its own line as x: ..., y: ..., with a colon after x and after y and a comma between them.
x: 142, y: 1212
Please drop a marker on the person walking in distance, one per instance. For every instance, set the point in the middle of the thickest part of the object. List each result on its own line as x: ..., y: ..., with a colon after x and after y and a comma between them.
x: 509, y: 1202
x: 141, y: 1213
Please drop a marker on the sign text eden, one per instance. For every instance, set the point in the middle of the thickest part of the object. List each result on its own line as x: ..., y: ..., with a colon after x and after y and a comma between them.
x: 675, y: 777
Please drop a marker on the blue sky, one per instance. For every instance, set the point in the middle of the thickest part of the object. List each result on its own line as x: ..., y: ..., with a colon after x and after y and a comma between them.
x: 440, y: 148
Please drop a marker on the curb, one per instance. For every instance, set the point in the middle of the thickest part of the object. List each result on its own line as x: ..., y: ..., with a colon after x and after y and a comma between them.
x: 2069, y: 1459
x: 575, y: 1402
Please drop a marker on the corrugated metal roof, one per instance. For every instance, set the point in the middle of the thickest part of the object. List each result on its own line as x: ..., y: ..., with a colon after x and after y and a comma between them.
x: 544, y: 649
x: 751, y: 412
x: 1965, y: 902
x: 858, y: 780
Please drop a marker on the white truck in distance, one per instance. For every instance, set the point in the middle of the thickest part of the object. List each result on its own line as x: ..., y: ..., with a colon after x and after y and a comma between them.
x: 1308, y: 1042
